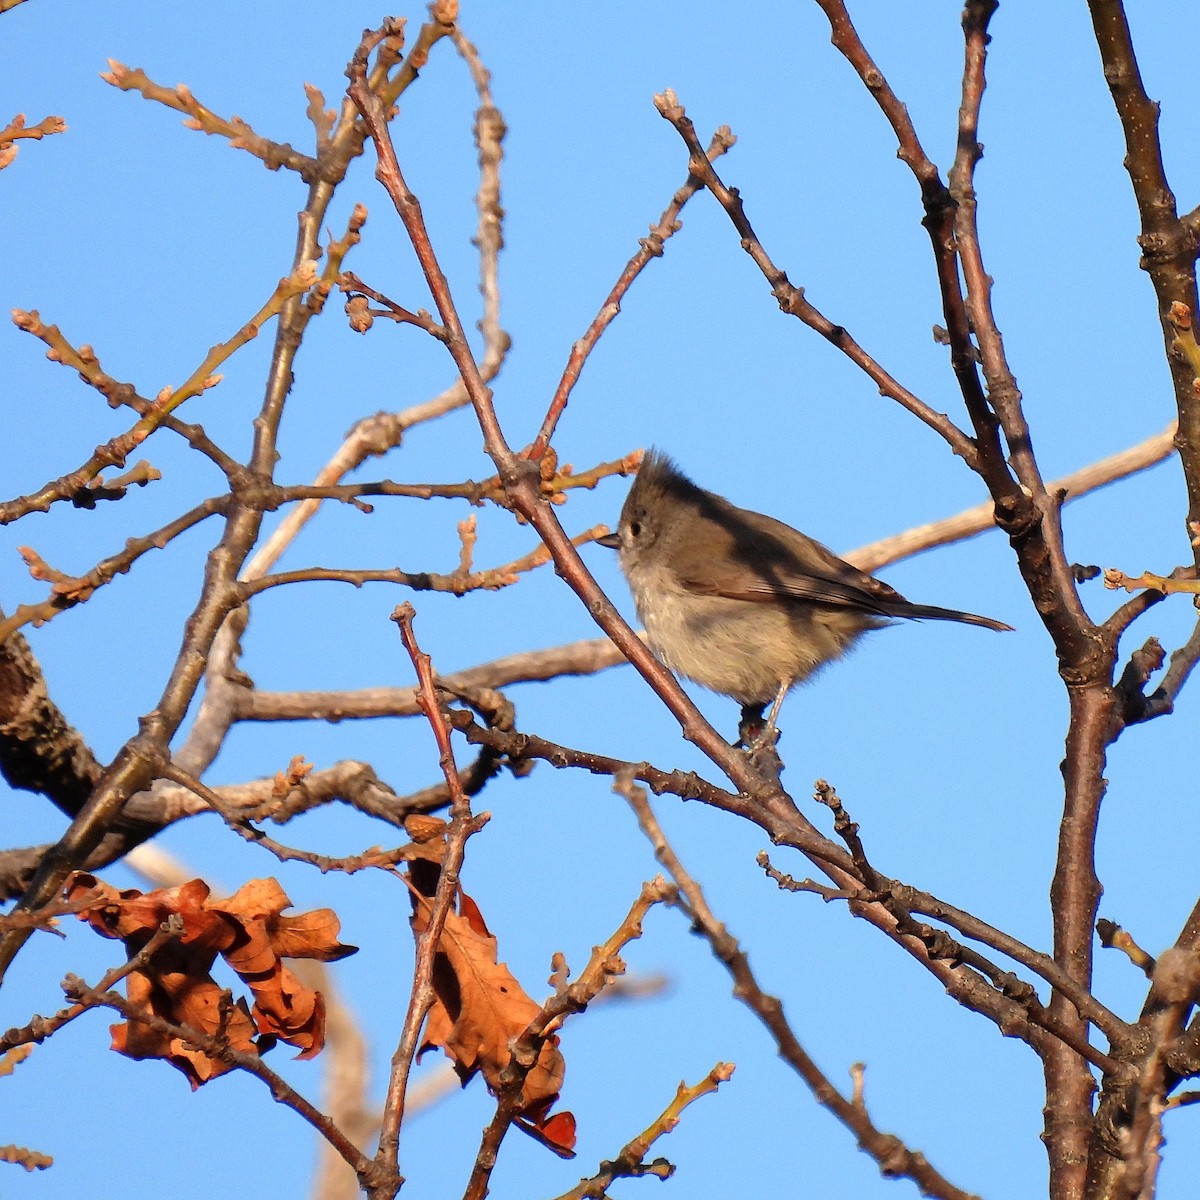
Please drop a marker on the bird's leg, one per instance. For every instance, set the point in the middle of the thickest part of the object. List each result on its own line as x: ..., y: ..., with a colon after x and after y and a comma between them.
x: 776, y: 705
x: 753, y: 733
x: 750, y: 727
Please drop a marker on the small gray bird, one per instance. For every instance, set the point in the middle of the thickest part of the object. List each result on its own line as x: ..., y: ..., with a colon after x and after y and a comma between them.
x: 739, y: 602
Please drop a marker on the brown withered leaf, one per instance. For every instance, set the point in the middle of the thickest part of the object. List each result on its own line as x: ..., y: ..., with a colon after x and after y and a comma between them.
x: 249, y: 931
x: 175, y: 992
x: 479, y: 1008
x: 283, y: 1006
x: 427, y: 851
x: 31, y: 1160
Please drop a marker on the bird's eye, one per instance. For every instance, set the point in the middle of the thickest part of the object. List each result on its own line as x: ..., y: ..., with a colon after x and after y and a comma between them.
x: 635, y: 529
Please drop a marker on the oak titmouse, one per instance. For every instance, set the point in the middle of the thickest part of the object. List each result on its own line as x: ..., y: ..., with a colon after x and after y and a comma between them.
x: 738, y: 601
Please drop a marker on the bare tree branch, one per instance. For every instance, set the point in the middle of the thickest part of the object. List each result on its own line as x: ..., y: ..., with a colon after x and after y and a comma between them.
x: 893, y: 1157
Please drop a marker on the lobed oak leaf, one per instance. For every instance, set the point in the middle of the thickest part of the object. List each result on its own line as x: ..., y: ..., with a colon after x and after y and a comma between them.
x: 249, y: 931
x: 310, y: 935
x: 283, y: 1006
x: 126, y: 914
x: 481, y: 1007
x: 183, y: 999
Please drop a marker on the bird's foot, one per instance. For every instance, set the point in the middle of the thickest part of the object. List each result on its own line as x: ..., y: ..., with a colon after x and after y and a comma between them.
x: 752, y: 728
x: 758, y: 738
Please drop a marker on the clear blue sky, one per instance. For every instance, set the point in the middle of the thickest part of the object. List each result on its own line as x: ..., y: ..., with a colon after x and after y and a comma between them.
x: 151, y: 243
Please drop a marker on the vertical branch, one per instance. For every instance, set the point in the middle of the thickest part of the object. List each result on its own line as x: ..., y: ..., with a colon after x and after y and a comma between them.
x: 1044, y: 561
x: 1168, y: 244
x: 1074, y: 899
x: 1086, y: 658
x: 1012, y: 507
x: 489, y: 237
x: 1123, y: 1158
x: 385, y: 1178
x: 335, y: 153
x: 1002, y: 391
x: 1031, y: 517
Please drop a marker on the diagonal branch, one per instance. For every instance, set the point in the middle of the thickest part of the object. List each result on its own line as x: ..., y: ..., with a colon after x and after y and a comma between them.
x: 521, y: 477
x: 894, y: 1158
x: 137, y: 763
x: 236, y: 131
x: 792, y: 299
x: 939, y: 208
x: 651, y: 247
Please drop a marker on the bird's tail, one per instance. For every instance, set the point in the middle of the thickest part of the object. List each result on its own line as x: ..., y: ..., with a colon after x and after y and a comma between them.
x: 933, y: 613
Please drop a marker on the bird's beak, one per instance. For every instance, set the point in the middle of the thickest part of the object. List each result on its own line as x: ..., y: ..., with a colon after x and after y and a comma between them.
x: 611, y: 540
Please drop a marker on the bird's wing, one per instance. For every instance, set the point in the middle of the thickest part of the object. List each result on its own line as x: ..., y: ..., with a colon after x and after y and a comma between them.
x: 756, y: 558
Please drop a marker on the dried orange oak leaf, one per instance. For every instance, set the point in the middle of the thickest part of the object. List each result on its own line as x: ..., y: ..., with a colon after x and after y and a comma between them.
x: 249, y: 931
x: 480, y: 1007
x: 31, y: 1160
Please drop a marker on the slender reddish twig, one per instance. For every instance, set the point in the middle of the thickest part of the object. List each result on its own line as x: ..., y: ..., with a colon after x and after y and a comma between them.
x: 651, y: 247
x: 792, y: 299
x: 939, y: 223
x: 386, y: 1178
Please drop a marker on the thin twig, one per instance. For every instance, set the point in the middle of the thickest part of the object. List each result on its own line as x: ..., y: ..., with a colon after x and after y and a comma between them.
x: 219, y: 1048
x: 387, y: 1177
x: 651, y: 248
x: 241, y: 825
x: 40, y: 1028
x: 603, y: 965
x: 890, y: 1153
x: 792, y: 299
x: 630, y: 1162
x: 456, y: 583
